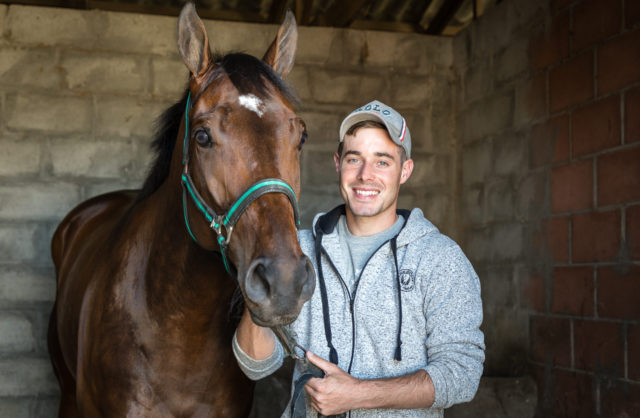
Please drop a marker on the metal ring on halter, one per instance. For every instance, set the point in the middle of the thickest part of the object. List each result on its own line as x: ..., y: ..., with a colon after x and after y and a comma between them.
x: 217, y: 227
x: 294, y: 355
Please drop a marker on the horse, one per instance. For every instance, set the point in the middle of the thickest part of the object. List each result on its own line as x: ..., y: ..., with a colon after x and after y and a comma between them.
x: 145, y: 278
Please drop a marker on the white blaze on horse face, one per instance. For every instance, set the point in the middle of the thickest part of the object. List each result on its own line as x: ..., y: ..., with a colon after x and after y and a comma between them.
x: 253, y: 103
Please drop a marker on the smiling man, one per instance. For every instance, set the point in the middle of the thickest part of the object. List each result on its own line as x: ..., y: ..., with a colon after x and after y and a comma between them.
x: 394, y: 323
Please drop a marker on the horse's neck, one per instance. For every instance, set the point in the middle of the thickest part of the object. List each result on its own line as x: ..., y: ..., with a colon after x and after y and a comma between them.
x: 180, y: 274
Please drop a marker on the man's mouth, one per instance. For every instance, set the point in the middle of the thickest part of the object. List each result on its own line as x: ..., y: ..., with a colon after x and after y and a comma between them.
x: 366, y: 193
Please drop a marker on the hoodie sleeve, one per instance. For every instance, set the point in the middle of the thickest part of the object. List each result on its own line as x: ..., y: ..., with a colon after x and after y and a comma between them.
x: 257, y: 369
x: 454, y: 344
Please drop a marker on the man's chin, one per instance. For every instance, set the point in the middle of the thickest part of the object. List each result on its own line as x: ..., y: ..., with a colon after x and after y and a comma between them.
x: 363, y: 211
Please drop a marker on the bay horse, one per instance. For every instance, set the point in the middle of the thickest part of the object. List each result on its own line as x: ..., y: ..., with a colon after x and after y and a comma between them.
x: 140, y: 325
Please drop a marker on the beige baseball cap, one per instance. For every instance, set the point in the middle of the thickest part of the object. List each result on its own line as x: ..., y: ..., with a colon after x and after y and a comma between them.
x: 380, y: 112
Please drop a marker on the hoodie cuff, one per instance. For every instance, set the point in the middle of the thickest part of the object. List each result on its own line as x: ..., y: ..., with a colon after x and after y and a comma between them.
x: 440, y: 395
x: 257, y: 369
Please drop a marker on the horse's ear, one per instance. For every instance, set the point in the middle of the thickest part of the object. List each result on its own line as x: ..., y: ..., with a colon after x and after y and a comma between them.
x: 281, y: 53
x: 193, y: 41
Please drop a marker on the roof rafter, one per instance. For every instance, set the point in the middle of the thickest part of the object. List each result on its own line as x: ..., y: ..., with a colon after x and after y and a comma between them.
x: 340, y: 14
x: 444, y: 16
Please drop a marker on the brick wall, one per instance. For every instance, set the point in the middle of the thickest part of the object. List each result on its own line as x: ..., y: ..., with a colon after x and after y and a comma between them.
x: 79, y: 91
x: 584, y: 335
x: 552, y: 225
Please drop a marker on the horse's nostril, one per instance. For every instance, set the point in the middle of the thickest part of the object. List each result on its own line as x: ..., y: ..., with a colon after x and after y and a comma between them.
x: 257, y: 285
x: 310, y: 280
x: 260, y: 277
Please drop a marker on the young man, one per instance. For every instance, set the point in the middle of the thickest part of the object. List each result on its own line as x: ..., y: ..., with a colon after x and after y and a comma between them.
x: 397, y: 308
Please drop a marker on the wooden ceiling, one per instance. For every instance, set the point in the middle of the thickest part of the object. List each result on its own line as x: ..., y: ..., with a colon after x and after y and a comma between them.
x: 434, y: 17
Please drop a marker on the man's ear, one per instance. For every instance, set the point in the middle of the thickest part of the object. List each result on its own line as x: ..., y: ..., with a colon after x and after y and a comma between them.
x: 407, y: 169
x: 336, y: 161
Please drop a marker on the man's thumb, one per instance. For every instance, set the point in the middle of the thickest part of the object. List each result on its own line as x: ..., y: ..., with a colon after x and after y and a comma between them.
x: 323, y: 364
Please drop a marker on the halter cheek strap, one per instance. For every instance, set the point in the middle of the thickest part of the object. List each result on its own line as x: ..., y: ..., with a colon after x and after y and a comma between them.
x: 223, y: 224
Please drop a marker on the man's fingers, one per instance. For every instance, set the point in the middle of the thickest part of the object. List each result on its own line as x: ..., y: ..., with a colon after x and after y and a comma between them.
x: 311, y: 387
x: 323, y: 364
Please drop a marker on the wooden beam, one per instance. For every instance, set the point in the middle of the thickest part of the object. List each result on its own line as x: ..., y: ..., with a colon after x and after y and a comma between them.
x: 341, y: 14
x: 386, y: 26
x: 231, y: 15
x: 68, y: 4
x: 307, y: 8
x: 444, y: 16
x: 277, y: 11
x: 425, y: 9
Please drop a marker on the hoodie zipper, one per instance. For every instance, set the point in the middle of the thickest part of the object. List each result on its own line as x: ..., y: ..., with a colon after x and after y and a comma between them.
x: 352, y: 298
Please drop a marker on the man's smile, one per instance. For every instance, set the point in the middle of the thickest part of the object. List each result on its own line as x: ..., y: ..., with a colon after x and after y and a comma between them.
x: 365, y: 192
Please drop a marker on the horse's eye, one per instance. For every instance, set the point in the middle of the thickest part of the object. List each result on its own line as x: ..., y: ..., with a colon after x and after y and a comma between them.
x: 202, y: 138
x: 303, y: 139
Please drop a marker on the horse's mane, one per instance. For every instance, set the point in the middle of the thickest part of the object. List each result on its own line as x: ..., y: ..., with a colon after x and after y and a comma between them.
x: 247, y: 73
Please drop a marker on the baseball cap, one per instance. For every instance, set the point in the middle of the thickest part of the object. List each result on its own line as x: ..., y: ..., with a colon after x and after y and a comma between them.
x: 380, y: 112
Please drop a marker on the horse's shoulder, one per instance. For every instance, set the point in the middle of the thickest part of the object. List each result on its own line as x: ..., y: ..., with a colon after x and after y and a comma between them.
x: 99, y: 211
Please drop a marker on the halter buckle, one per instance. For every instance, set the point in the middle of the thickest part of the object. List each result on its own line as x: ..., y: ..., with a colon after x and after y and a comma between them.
x: 217, y: 226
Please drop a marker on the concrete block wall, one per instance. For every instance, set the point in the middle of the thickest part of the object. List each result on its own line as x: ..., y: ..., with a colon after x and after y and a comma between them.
x: 340, y: 70
x: 503, y: 196
x: 79, y: 92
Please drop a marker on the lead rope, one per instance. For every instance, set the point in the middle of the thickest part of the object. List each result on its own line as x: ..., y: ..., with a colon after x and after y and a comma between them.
x: 298, y: 405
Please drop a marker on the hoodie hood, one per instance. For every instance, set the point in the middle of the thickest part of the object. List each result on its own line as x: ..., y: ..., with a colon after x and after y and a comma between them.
x: 416, y: 225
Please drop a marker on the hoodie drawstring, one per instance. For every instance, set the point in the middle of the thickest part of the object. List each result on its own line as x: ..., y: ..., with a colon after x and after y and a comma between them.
x: 333, y: 353
x: 398, y: 353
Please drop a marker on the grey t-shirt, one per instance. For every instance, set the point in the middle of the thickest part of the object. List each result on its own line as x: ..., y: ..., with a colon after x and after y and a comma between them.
x: 361, y: 248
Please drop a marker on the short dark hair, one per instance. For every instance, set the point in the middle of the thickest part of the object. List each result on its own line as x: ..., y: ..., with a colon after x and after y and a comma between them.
x: 370, y: 124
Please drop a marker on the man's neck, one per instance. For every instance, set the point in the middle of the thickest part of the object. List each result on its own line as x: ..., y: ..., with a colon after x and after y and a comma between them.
x: 370, y: 225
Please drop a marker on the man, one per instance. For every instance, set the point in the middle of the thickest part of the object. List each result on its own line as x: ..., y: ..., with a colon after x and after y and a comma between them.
x: 397, y: 308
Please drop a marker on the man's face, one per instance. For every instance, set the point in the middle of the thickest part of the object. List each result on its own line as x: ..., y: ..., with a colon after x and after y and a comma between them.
x: 371, y: 173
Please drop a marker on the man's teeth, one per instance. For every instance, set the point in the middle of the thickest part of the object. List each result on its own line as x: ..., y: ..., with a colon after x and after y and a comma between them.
x: 366, y: 192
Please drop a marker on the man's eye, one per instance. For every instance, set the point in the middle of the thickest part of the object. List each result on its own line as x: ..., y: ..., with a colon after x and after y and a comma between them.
x: 202, y: 138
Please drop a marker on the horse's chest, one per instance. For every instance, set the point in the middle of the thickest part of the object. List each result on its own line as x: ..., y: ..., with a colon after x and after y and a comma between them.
x: 201, y: 389
x: 164, y: 373
x: 176, y: 385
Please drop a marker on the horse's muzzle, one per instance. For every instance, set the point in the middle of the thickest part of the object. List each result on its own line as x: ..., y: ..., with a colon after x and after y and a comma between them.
x: 275, y: 290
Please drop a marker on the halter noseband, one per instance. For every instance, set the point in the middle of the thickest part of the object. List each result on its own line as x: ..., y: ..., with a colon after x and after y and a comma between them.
x: 223, y: 224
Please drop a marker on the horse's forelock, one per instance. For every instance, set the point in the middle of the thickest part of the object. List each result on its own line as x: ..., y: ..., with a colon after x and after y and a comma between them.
x: 251, y: 75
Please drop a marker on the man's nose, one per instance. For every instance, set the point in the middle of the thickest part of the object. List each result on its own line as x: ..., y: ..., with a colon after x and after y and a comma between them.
x: 366, y: 172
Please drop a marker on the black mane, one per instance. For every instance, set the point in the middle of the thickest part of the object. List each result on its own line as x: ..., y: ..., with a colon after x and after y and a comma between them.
x: 247, y: 73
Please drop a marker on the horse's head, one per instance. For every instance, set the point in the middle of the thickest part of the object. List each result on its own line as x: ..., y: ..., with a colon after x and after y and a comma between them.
x: 239, y: 129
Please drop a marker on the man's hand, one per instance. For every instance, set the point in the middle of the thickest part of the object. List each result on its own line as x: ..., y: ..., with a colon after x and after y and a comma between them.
x: 256, y: 341
x: 336, y: 392
x: 339, y: 392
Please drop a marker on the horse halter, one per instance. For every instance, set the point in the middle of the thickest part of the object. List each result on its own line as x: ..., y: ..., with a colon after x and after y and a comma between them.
x: 223, y: 224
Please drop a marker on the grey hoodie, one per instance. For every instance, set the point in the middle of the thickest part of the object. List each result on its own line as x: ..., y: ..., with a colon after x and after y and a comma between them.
x: 440, y: 305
